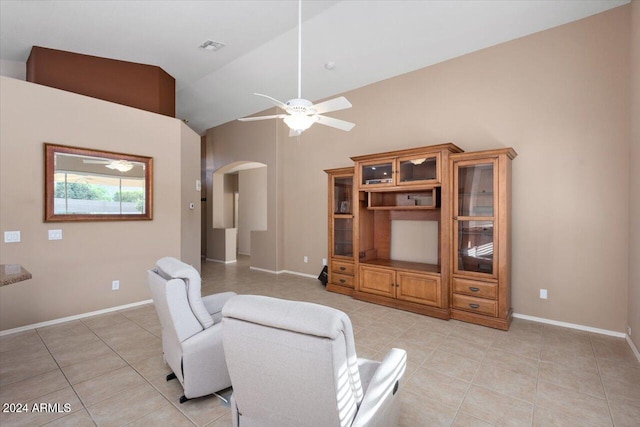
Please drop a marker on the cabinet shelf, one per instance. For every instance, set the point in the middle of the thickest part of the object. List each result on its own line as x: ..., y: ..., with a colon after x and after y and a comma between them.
x: 488, y: 232
x: 403, y: 265
x: 404, y: 200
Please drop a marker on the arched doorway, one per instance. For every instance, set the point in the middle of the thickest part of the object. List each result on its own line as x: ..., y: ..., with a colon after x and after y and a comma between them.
x: 238, y: 210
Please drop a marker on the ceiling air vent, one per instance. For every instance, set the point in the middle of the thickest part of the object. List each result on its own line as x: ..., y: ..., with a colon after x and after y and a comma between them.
x: 211, y: 45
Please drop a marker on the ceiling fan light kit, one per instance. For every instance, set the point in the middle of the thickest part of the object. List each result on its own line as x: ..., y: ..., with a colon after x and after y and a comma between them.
x: 120, y: 165
x: 299, y: 122
x: 302, y: 113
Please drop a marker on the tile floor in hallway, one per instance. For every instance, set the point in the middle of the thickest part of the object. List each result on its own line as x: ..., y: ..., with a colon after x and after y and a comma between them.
x: 109, y: 368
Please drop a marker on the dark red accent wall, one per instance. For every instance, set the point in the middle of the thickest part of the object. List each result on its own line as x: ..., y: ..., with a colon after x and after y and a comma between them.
x: 137, y: 85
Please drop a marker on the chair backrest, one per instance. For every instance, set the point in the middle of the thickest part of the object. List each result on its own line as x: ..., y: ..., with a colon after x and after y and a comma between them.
x: 291, y: 363
x: 176, y: 269
x: 176, y: 318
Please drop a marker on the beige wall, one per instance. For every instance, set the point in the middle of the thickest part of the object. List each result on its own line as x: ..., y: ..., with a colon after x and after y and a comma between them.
x: 634, y: 190
x: 559, y: 97
x: 190, y: 218
x: 74, y: 275
x: 252, y: 210
x: 223, y: 241
x: 254, y: 142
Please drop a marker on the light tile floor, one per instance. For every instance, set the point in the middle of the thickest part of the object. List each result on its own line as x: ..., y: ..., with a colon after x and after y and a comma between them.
x: 109, y: 368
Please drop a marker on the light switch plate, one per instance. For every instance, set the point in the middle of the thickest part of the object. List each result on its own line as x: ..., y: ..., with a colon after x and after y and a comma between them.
x: 198, y: 185
x: 11, y: 236
x: 55, y: 234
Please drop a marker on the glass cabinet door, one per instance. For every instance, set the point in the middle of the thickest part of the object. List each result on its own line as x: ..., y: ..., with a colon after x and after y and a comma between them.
x: 377, y: 174
x: 475, y: 190
x: 475, y: 246
x: 343, y: 237
x: 474, y: 217
x: 418, y: 170
x: 342, y: 193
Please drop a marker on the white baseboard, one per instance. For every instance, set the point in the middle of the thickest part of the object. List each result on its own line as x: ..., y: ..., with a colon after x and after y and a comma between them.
x: 264, y: 270
x: 311, y: 276
x: 570, y: 325
x: 220, y: 261
x: 633, y: 347
x: 244, y: 253
x: 75, y: 317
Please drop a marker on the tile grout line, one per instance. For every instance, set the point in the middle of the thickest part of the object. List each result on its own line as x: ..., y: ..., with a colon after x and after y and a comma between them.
x: 145, y: 378
x: 134, y: 369
x: 67, y: 379
x: 466, y: 393
x: 604, y: 389
x: 535, y: 397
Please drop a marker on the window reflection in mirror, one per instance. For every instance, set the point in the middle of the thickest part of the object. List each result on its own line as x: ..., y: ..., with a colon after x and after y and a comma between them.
x: 92, y: 185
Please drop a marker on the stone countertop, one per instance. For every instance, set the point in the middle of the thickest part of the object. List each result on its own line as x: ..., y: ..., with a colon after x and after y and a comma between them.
x: 12, y: 273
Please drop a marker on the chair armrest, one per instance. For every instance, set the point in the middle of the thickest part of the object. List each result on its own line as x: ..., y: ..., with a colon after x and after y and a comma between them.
x: 203, y: 363
x: 203, y: 341
x: 214, y: 303
x: 381, y: 388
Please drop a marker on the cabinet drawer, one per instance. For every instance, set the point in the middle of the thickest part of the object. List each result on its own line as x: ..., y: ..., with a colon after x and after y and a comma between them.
x: 475, y: 305
x: 475, y: 288
x: 342, y: 279
x: 342, y: 267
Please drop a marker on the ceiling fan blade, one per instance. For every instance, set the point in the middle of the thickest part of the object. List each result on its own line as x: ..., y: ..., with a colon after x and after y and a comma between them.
x: 334, y: 104
x: 293, y: 132
x: 253, y: 119
x: 273, y: 100
x: 335, y: 123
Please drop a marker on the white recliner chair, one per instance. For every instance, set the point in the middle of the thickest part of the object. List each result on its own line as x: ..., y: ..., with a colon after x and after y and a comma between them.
x: 294, y: 364
x: 191, y: 328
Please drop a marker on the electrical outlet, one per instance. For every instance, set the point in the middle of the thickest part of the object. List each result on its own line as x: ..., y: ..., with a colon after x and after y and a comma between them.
x: 629, y: 330
x: 543, y: 294
x: 11, y: 236
x: 324, y: 261
x: 115, y: 285
x: 55, y: 234
x: 306, y: 258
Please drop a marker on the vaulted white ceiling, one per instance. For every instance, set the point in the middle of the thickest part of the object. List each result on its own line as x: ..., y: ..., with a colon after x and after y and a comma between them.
x: 368, y: 41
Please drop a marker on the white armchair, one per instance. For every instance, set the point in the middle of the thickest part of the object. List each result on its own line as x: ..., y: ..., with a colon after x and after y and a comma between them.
x: 191, y: 328
x: 294, y: 364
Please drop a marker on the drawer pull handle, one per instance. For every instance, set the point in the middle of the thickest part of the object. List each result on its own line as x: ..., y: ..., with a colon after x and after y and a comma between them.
x: 343, y: 268
x: 473, y: 289
x: 474, y: 305
x: 342, y: 280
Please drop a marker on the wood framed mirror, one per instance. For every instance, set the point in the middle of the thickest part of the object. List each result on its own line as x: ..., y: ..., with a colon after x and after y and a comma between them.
x: 82, y: 184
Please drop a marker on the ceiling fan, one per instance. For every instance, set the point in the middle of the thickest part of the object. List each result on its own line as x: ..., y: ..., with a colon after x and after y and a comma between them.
x: 119, y: 165
x: 302, y: 113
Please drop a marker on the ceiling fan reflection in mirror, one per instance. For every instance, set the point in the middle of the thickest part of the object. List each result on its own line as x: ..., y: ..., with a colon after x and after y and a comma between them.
x: 119, y: 165
x: 302, y: 113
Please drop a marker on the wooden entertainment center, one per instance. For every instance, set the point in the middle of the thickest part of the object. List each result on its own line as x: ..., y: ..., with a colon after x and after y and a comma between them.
x: 431, y: 228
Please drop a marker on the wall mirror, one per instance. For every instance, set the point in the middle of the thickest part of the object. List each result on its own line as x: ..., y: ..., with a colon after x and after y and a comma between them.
x: 92, y: 185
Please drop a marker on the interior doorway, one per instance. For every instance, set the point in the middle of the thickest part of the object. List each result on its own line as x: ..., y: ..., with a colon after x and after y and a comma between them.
x: 239, y: 208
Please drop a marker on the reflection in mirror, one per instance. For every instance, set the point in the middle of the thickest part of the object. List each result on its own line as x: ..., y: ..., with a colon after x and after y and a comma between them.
x: 92, y: 185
